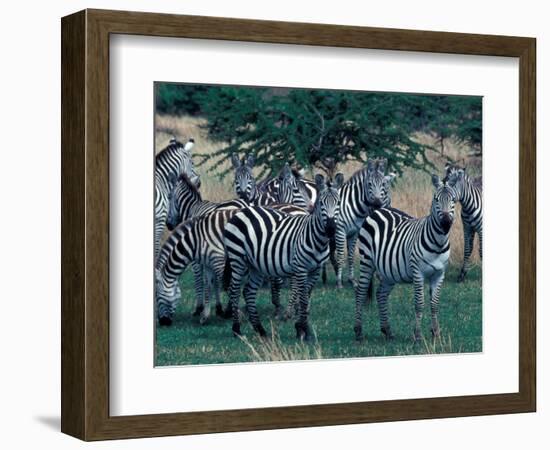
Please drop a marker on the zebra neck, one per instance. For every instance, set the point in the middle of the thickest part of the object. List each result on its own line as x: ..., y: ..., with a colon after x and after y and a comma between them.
x: 436, y: 234
x: 360, y: 208
x: 314, y: 232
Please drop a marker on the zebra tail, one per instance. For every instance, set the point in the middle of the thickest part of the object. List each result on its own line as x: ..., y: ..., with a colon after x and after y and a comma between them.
x: 226, y: 275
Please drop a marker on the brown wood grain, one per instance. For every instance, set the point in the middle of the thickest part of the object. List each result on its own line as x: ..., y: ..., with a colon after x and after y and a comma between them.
x: 85, y: 224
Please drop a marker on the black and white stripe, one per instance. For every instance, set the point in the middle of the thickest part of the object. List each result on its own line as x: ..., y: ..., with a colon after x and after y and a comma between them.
x: 403, y: 249
x: 172, y: 161
x: 306, y: 188
x: 264, y: 242
x: 470, y: 197
x: 185, y: 202
x: 197, y: 242
x: 368, y: 189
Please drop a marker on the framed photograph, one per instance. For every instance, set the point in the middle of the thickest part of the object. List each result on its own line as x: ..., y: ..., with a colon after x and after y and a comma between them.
x: 273, y: 225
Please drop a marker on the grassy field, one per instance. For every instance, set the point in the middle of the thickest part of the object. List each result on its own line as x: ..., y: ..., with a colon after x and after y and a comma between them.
x: 332, y: 310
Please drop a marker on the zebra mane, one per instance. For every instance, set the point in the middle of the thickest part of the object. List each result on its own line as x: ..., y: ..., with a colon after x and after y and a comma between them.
x: 194, y: 189
x: 173, y: 145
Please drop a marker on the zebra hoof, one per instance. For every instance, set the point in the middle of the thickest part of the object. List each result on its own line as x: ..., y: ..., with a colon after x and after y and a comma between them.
x: 203, y: 320
x: 198, y: 310
x: 387, y: 334
x: 165, y: 321
x: 352, y: 282
x: 303, y: 332
x: 358, y: 330
x: 417, y: 338
x: 436, y: 333
x: 339, y: 285
x: 227, y: 314
x: 219, y: 311
x: 260, y: 330
x: 461, y: 277
x: 236, y: 328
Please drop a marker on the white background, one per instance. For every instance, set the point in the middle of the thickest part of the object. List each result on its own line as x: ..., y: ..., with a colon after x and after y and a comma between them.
x: 139, y: 388
x: 30, y: 235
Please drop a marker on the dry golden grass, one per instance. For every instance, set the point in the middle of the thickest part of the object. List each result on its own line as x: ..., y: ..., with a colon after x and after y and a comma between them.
x: 411, y: 193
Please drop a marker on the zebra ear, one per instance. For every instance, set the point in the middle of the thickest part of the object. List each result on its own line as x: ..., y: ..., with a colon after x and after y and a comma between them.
x: 338, y: 180
x: 320, y: 182
x: 382, y: 163
x: 371, y: 165
x: 250, y: 160
x: 390, y: 177
x: 436, y: 181
x: 235, y: 161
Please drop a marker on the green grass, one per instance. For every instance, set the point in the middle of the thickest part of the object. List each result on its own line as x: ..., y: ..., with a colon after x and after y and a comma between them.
x: 332, y: 318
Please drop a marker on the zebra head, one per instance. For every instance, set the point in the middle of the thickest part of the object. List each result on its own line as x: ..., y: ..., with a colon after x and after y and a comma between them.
x: 457, y: 175
x: 245, y: 183
x: 186, y: 161
x: 378, y: 184
x: 167, y: 296
x: 291, y: 191
x: 443, y: 203
x: 327, y: 206
x: 183, y: 192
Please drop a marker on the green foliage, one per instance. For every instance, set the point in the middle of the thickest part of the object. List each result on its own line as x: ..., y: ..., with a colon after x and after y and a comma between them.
x: 306, y: 126
x: 332, y: 315
x: 171, y: 98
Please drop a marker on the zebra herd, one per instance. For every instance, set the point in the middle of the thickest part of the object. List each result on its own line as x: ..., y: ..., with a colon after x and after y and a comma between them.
x: 288, y: 227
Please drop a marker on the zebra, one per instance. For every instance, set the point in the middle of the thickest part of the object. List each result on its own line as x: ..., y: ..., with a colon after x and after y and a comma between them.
x: 198, y: 241
x: 470, y: 197
x: 169, y: 163
x: 368, y: 189
x: 403, y: 249
x: 185, y: 202
x: 245, y: 183
x: 263, y: 242
x: 305, y: 187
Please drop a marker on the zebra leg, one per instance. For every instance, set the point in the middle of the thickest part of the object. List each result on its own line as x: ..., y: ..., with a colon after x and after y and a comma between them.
x: 293, y: 306
x: 324, y: 276
x: 418, y: 282
x: 255, y: 280
x: 366, y: 269
x: 205, y: 314
x: 436, y: 282
x: 352, y: 241
x: 382, y: 300
x: 310, y: 283
x: 276, y: 284
x: 340, y: 243
x: 300, y: 287
x: 218, y: 265
x: 238, y: 272
x: 469, y: 234
x: 198, y: 276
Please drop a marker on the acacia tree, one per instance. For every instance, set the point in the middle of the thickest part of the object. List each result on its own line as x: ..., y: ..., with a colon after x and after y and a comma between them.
x: 307, y: 126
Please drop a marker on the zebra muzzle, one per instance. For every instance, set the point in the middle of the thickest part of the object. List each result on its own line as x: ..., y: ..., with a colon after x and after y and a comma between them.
x: 446, y: 222
x: 330, y: 227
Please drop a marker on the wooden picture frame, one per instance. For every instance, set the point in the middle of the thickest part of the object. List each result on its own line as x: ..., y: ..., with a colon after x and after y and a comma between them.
x: 85, y: 224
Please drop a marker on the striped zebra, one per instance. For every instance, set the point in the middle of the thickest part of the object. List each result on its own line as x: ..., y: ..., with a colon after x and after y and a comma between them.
x: 245, y: 183
x: 305, y: 187
x: 403, y: 249
x: 470, y: 197
x: 185, y: 202
x: 263, y: 242
x: 368, y: 189
x: 170, y: 163
x: 198, y: 242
